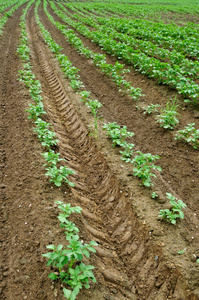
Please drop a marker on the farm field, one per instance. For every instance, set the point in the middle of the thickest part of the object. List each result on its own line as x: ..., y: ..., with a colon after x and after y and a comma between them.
x: 100, y: 110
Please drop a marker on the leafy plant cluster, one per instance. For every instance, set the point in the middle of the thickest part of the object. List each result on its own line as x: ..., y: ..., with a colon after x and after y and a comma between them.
x: 9, y: 13
x: 167, y: 35
x: 43, y: 129
x: 5, y: 5
x: 68, y: 262
x: 115, y: 72
x: 114, y: 9
x: 189, y: 134
x: 121, y: 30
x: 175, y: 212
x: 143, y: 163
x: 153, y: 67
x: 168, y: 116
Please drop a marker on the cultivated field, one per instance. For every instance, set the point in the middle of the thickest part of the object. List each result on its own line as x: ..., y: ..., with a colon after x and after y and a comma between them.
x: 100, y: 111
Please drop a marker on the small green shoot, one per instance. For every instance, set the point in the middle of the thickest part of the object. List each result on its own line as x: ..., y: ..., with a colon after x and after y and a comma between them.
x: 154, y: 195
x: 174, y: 212
x: 143, y: 166
x: 71, y: 270
x: 190, y: 134
x: 118, y: 134
x: 59, y: 175
x: 151, y: 108
x: 168, y: 116
x: 94, y: 106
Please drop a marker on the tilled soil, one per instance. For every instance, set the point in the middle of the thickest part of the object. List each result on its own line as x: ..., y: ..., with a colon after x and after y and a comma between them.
x: 137, y: 254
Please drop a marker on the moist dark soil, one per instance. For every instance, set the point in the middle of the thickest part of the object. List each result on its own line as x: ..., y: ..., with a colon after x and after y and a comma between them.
x: 137, y: 256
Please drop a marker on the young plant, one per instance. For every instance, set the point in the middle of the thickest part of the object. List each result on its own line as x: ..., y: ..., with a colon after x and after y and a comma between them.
x: 174, y: 212
x: 85, y: 96
x: 52, y: 158
x: 67, y: 210
x: 154, y: 195
x: 190, y: 134
x: 94, y: 105
x: 46, y: 137
x: 79, y: 277
x: 71, y: 270
x: 117, y: 134
x: 143, y: 166
x: 168, y: 116
x: 151, y: 108
x: 59, y: 175
x: 127, y: 152
x: 35, y: 111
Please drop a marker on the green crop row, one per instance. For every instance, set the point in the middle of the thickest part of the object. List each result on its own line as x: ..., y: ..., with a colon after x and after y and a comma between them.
x: 115, y: 72
x: 72, y: 271
x: 150, y: 66
x: 36, y: 111
x: 9, y: 13
x: 178, y: 61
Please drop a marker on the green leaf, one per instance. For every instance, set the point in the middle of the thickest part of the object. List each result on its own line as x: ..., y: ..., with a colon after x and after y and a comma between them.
x: 67, y: 293
x: 48, y: 255
x: 62, y: 219
x: 91, y: 249
x: 93, y: 243
x: 53, y: 276
x: 51, y: 247
x: 86, y: 253
x: 59, y: 247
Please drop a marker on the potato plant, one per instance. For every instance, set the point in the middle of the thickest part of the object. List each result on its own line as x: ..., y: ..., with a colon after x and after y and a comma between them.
x: 175, y: 212
x: 189, y: 134
x: 143, y: 166
x: 68, y: 260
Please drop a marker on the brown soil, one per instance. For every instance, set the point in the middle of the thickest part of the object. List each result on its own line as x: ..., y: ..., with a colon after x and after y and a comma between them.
x: 137, y: 257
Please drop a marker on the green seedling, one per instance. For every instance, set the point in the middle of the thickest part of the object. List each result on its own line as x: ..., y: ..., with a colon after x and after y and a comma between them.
x: 59, y: 175
x: 71, y: 270
x: 127, y: 152
x: 52, y: 158
x: 168, y: 116
x: 45, y: 134
x: 67, y: 210
x: 154, y: 195
x: 35, y: 111
x: 190, y: 134
x: 181, y: 252
x: 94, y: 106
x: 151, y: 108
x: 143, y: 166
x: 117, y: 134
x: 79, y: 277
x: 76, y: 84
x: 85, y: 96
x: 174, y: 212
x: 46, y: 137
